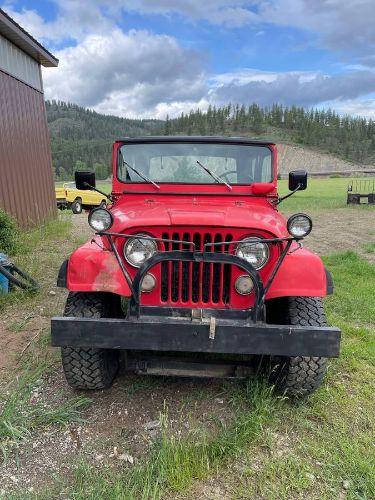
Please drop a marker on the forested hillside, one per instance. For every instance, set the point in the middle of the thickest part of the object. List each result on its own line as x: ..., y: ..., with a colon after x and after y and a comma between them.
x: 82, y: 138
x: 350, y: 138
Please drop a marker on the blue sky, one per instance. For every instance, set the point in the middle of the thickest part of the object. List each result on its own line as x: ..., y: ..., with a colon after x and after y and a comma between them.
x: 145, y: 58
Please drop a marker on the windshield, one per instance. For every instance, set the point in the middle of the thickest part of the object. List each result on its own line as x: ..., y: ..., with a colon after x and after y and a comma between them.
x: 182, y: 163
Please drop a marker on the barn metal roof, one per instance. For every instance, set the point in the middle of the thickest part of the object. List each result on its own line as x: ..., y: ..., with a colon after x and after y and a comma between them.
x: 17, y: 35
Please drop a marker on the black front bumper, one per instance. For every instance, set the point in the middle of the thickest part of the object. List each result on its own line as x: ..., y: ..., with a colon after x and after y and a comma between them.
x: 155, y: 333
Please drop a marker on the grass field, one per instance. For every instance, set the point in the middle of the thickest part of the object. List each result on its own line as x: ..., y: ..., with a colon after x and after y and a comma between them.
x: 320, y: 194
x: 242, y: 441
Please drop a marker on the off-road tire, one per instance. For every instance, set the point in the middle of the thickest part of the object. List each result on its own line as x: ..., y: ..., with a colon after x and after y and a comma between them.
x: 77, y: 206
x: 88, y: 368
x: 299, y: 376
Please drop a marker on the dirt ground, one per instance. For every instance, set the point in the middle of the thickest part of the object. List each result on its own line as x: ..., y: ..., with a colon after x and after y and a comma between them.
x: 342, y: 229
x: 123, y: 421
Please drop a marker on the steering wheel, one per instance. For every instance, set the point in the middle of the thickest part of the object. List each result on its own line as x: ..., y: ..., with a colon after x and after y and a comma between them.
x: 225, y: 174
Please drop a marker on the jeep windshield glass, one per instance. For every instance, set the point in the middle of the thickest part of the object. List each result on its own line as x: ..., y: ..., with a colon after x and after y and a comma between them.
x: 174, y: 163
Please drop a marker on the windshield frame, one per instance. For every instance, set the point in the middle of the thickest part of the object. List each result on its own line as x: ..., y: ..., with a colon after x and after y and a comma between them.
x: 193, y: 140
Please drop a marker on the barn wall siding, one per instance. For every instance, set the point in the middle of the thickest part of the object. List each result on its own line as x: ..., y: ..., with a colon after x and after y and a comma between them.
x: 26, y: 180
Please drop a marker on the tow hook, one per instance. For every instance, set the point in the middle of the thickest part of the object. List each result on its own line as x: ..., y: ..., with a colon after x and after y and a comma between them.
x: 212, y: 328
x: 197, y: 316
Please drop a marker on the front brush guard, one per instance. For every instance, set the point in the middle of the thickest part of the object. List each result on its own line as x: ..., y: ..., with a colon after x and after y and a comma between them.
x: 257, y: 312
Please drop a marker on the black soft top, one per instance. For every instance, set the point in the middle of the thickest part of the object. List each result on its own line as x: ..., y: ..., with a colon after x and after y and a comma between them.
x: 195, y: 139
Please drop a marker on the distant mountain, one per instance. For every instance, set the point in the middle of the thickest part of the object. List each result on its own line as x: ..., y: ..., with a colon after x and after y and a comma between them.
x: 82, y: 138
x: 81, y: 135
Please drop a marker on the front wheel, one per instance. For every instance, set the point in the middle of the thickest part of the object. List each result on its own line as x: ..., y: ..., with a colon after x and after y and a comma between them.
x: 87, y: 368
x: 298, y: 376
x: 77, y: 206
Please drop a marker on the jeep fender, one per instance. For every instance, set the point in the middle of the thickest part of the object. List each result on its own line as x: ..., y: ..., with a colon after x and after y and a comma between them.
x: 92, y: 268
x: 302, y: 274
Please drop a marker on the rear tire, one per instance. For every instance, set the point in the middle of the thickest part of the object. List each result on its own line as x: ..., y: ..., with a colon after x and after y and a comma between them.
x: 77, y: 206
x: 298, y: 376
x: 88, y: 368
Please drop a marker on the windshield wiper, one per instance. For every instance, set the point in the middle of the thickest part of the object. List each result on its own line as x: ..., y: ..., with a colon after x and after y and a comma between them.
x: 142, y: 176
x: 214, y: 176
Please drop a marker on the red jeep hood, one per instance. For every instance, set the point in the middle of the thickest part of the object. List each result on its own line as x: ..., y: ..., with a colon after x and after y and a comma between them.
x: 257, y: 214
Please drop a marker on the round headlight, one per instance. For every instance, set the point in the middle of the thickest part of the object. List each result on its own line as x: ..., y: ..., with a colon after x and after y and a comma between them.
x: 299, y: 225
x: 138, y: 249
x: 254, y: 251
x: 100, y: 219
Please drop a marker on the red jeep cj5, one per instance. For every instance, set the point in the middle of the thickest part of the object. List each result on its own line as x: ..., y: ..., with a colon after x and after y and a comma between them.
x: 193, y: 271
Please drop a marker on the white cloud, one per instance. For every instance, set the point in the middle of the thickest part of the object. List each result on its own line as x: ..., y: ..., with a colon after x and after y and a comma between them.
x: 302, y: 89
x: 248, y: 75
x: 345, y: 26
x: 128, y: 74
x: 174, y: 109
x: 78, y: 18
x: 75, y: 20
x: 144, y: 75
x: 355, y: 107
x: 230, y: 13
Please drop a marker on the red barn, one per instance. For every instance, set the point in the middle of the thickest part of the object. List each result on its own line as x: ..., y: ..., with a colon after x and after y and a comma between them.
x: 26, y: 180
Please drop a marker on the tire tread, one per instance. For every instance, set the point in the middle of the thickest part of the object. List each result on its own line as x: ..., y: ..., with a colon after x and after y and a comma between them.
x: 88, y: 368
x: 300, y: 376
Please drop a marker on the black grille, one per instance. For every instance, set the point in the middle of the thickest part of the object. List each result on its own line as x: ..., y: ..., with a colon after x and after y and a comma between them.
x: 198, y: 282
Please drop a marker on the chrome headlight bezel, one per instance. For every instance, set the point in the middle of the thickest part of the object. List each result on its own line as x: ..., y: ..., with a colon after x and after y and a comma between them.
x: 292, y: 219
x: 254, y: 239
x: 94, y: 213
x: 148, y: 241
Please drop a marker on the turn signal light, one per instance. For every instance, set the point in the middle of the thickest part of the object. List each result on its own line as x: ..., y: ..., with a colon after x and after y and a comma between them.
x: 244, y: 284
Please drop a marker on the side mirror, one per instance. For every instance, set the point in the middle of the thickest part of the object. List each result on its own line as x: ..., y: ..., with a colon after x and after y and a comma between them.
x: 297, y: 178
x: 85, y: 180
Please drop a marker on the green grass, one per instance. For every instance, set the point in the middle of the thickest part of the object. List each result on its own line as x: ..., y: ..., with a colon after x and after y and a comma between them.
x: 320, y: 194
x: 55, y: 229
x: 173, y: 463
x: 10, y: 237
x: 42, y: 241
x: 351, y: 274
x: 20, y: 415
x: 369, y: 247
